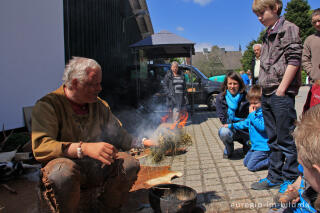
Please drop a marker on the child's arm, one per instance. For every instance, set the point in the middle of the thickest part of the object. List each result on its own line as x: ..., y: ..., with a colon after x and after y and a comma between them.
x: 287, y: 79
x: 240, y: 125
x: 258, y: 123
x: 291, y: 43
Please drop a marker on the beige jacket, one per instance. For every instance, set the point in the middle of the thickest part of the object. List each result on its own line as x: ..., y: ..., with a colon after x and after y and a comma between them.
x: 311, y: 56
x: 55, y: 125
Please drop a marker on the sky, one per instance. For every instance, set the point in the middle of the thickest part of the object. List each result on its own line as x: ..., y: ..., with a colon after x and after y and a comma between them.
x: 226, y: 23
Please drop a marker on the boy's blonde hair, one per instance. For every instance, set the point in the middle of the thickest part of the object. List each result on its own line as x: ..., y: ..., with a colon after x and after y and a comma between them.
x: 307, y: 137
x: 254, y: 93
x: 260, y: 6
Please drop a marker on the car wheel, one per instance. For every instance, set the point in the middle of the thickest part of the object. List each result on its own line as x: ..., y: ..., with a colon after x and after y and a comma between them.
x: 211, y: 102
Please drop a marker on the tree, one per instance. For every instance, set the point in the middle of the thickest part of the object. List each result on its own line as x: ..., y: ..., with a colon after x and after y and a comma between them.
x: 249, y: 54
x: 210, y: 63
x: 298, y: 12
x: 179, y: 60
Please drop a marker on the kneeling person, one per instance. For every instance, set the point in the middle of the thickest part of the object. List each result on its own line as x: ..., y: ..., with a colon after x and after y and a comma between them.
x: 257, y: 157
x: 76, y: 138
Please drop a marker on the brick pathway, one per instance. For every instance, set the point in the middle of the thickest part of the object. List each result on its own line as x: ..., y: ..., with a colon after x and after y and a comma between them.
x: 223, y: 185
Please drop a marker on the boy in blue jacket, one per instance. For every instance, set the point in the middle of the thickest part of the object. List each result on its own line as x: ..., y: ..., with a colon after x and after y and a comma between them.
x: 257, y: 157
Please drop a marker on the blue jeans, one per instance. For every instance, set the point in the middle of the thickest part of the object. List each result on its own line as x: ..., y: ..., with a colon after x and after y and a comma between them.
x: 256, y: 160
x: 279, y: 118
x: 228, y: 137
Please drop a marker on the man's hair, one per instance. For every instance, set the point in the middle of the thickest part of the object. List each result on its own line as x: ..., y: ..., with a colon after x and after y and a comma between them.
x: 77, y: 69
x: 315, y: 12
x: 174, y: 63
x: 307, y: 137
x: 253, y: 46
x: 254, y: 93
x: 260, y: 6
x: 234, y: 76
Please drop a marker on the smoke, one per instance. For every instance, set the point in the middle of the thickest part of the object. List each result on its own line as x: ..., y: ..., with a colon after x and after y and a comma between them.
x: 143, y: 121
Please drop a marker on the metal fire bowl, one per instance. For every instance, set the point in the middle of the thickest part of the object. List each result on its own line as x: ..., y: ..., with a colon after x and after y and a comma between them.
x: 172, y: 198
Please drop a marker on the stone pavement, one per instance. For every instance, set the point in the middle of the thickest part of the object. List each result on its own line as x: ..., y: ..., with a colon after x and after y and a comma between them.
x: 223, y: 185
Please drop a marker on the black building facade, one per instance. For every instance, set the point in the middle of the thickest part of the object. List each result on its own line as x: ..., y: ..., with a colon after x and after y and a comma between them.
x: 103, y: 30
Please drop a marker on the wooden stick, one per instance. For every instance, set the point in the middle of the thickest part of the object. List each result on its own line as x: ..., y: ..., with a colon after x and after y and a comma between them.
x: 9, y: 188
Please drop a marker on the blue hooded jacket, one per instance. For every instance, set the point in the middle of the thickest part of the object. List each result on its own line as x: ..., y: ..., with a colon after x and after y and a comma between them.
x: 255, y: 123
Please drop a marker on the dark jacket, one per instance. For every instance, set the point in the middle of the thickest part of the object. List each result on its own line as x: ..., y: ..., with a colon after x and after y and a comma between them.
x: 169, y: 89
x: 222, y: 108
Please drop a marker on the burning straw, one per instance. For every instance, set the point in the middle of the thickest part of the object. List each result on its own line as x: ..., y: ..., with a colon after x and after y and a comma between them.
x: 171, y: 138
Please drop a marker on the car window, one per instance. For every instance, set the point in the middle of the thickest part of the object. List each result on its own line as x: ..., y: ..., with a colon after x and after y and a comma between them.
x: 200, y: 73
x: 161, y: 72
x: 188, y: 77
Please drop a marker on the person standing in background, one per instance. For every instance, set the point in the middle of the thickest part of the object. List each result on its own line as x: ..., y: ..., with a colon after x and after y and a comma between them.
x: 255, y: 64
x: 245, y: 78
x: 311, y: 61
x: 176, y: 91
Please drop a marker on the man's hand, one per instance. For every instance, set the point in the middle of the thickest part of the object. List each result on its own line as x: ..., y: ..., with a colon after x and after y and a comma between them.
x: 104, y: 152
x: 149, y: 143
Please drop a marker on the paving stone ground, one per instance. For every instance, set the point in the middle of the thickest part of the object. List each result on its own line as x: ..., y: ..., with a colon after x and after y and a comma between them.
x: 223, y: 185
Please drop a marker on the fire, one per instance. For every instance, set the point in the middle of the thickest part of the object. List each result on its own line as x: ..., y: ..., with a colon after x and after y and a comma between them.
x: 179, y: 123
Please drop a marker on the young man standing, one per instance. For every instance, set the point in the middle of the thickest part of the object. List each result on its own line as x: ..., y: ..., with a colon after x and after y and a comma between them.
x: 280, y: 80
x: 311, y: 61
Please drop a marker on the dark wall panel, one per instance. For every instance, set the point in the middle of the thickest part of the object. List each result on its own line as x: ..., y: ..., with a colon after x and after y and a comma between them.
x: 102, y: 30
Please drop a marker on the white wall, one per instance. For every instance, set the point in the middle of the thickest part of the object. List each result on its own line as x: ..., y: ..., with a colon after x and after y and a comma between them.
x: 31, y: 55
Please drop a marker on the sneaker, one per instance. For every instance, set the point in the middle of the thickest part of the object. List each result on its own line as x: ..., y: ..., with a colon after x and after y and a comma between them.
x: 284, y: 186
x: 225, y: 156
x: 264, y: 184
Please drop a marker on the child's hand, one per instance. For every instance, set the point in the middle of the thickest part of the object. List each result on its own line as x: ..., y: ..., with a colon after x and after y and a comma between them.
x: 291, y: 195
x: 225, y: 125
x: 252, y: 108
x: 294, y: 190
